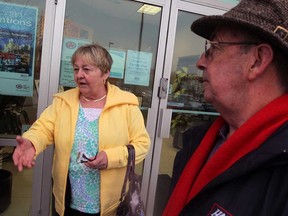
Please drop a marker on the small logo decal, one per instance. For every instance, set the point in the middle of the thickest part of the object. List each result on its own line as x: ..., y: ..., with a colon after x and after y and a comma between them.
x: 70, y: 45
x: 19, y: 86
x: 217, y: 210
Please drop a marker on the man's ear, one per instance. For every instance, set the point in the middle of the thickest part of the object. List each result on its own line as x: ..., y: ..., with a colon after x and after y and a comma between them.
x: 263, y: 56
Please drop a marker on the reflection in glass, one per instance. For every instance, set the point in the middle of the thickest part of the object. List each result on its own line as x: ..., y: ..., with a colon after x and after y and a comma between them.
x: 130, y: 36
x: 20, y: 61
x: 189, y: 109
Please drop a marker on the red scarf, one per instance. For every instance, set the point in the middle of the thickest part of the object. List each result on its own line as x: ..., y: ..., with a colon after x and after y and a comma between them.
x: 197, y: 173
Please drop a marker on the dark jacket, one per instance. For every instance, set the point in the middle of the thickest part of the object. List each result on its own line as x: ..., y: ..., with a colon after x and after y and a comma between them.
x: 257, y: 184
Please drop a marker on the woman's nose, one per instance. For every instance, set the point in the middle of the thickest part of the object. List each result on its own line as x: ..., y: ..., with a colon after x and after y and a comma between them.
x: 79, y: 73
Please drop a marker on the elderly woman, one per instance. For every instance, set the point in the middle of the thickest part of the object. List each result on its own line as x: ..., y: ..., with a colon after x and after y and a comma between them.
x: 90, y: 126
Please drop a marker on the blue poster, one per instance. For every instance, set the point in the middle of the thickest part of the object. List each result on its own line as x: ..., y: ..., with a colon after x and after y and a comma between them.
x: 138, y: 67
x: 18, y: 27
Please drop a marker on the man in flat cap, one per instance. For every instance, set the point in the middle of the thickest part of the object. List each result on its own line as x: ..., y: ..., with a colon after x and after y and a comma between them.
x: 239, y: 166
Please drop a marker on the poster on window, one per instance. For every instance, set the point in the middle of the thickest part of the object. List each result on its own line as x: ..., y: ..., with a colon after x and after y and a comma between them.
x: 138, y: 67
x: 18, y: 27
x: 66, y: 71
x: 117, y: 69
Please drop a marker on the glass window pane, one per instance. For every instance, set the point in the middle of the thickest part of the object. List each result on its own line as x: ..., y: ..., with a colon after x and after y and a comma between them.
x: 130, y: 36
x: 21, y: 33
x: 186, y: 100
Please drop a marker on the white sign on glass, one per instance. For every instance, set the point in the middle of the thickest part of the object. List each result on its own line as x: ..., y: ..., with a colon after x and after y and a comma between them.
x: 138, y: 67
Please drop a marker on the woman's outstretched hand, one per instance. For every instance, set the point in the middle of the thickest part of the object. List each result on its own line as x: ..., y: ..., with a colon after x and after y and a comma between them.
x: 24, y: 153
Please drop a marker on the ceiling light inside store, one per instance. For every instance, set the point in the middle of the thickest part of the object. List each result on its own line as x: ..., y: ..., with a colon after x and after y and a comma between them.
x: 149, y: 9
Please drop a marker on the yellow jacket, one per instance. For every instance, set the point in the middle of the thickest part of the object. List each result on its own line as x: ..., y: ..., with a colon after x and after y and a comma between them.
x: 121, y: 122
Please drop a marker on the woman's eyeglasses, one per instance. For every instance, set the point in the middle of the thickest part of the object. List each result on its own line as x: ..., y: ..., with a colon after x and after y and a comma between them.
x: 82, y: 158
x: 209, y: 45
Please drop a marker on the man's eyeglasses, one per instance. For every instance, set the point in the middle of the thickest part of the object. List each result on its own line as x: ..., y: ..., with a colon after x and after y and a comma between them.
x: 82, y: 158
x: 211, y: 44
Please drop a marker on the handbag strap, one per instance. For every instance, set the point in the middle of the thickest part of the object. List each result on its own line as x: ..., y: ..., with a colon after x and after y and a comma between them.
x: 129, y: 170
x: 131, y: 152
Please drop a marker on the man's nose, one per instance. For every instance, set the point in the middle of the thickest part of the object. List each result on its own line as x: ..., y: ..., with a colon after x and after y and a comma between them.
x: 201, y: 62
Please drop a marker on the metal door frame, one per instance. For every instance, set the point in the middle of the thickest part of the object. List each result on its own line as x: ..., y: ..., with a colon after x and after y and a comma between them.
x: 163, y: 112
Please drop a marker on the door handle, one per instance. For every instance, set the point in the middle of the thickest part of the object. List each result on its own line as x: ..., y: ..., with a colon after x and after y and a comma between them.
x: 165, y: 123
x: 163, y: 88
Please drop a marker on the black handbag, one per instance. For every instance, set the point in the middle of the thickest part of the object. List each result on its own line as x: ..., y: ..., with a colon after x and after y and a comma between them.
x: 131, y: 203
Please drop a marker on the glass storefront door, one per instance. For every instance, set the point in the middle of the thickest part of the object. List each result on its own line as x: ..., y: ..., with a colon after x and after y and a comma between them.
x: 185, y: 105
x: 185, y: 100
x: 128, y: 29
x: 134, y: 32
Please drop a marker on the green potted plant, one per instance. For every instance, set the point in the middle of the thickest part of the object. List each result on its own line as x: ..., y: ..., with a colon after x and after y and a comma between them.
x: 182, y: 85
x: 182, y: 91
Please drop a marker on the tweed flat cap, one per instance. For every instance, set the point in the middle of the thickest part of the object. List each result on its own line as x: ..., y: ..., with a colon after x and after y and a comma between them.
x: 266, y: 18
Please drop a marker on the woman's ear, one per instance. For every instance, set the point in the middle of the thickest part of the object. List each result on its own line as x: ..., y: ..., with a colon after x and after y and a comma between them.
x: 106, y: 75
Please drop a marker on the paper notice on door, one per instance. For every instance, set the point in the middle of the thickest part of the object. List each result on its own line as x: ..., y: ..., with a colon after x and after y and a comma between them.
x: 138, y: 67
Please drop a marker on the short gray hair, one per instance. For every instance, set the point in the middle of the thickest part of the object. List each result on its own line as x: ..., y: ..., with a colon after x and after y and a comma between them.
x: 94, y: 54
